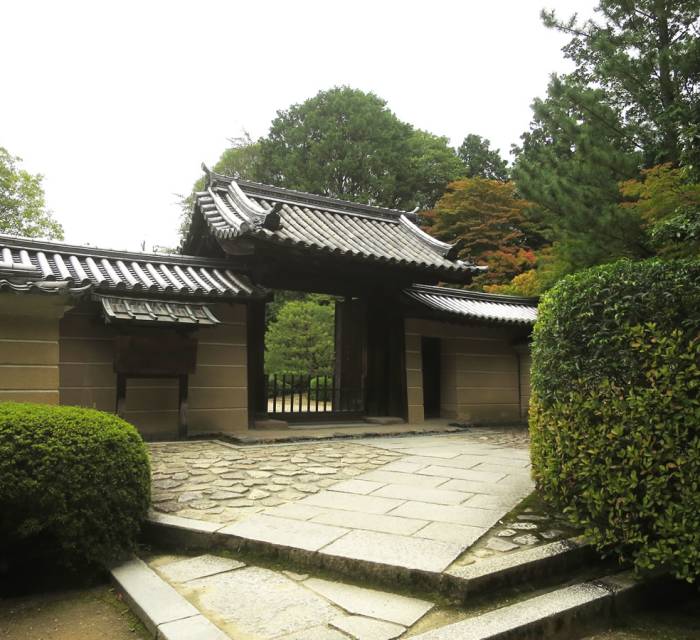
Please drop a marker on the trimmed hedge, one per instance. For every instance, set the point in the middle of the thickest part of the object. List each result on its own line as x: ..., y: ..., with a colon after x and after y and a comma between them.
x: 74, y: 484
x: 615, y: 409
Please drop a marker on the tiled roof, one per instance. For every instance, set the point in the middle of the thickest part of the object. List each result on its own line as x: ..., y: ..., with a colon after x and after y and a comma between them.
x: 234, y: 208
x: 475, y: 305
x: 117, y: 309
x: 32, y: 266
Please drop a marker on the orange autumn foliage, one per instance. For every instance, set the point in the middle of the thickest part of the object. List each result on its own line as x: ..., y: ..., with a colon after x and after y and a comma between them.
x: 489, y: 221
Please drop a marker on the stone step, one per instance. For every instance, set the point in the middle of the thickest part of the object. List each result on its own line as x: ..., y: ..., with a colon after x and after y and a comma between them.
x: 566, y: 613
x: 534, y: 568
x: 181, y: 597
x: 384, y: 420
x: 161, y: 609
x: 270, y: 424
x: 261, y: 603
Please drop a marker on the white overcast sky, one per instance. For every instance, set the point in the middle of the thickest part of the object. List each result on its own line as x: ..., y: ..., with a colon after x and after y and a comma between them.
x: 118, y: 103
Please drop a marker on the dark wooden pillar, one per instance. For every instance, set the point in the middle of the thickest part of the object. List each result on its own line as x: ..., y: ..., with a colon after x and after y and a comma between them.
x: 386, y: 366
x: 121, y: 395
x: 350, y: 320
x: 183, y: 389
x: 255, y: 323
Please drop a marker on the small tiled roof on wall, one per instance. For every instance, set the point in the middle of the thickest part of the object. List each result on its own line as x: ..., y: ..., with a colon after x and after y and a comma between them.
x: 463, y: 304
x: 120, y: 309
x: 36, y: 266
x: 235, y: 208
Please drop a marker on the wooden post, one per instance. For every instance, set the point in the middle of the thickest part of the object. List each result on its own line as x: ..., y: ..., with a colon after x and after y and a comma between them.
x: 350, y: 319
x: 386, y: 365
x: 255, y: 333
x: 182, y: 406
x: 121, y: 395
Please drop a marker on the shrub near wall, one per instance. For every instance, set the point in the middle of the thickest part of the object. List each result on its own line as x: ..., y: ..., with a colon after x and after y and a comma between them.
x: 74, y: 484
x: 615, y: 409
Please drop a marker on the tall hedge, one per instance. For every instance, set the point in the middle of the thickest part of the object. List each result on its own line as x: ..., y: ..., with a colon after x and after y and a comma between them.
x: 615, y: 409
x: 74, y: 484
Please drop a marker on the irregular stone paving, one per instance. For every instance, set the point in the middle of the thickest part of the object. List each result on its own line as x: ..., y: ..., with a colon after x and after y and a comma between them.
x: 416, y: 502
x: 257, y: 603
x: 223, y: 483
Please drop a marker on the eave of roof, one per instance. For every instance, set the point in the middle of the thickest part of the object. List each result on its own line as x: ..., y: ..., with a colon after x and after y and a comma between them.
x: 30, y: 265
x: 459, y: 303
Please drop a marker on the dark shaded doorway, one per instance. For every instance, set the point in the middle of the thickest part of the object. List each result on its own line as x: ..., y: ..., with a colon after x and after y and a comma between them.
x: 430, y: 348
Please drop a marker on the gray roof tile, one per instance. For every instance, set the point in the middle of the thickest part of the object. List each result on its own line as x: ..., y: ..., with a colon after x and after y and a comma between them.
x: 31, y: 265
x: 475, y: 305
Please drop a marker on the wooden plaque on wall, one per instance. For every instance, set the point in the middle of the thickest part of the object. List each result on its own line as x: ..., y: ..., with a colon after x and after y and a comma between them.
x: 161, y: 354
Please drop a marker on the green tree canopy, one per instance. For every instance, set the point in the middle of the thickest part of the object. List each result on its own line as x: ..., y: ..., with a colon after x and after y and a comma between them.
x: 668, y: 202
x: 346, y: 143
x: 300, y: 339
x: 23, y: 209
x: 480, y: 160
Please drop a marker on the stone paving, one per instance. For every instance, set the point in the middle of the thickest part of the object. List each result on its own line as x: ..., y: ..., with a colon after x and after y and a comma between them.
x: 258, y: 603
x: 416, y: 501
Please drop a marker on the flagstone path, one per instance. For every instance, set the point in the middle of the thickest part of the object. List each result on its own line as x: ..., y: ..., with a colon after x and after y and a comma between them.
x: 415, y: 502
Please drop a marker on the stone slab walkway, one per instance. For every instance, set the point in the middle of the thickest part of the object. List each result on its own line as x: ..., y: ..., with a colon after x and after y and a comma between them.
x: 258, y: 603
x: 416, y: 501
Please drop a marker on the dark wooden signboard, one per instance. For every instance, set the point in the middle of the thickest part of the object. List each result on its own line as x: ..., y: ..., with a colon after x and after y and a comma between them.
x: 158, y: 355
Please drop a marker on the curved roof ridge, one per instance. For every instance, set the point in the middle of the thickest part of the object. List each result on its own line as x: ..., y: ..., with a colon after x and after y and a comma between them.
x: 304, y: 197
x: 443, y: 248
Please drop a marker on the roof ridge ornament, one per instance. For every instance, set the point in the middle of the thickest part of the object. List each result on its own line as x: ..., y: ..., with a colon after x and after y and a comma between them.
x: 249, y: 209
x: 443, y: 248
x: 254, y: 215
x: 273, y: 220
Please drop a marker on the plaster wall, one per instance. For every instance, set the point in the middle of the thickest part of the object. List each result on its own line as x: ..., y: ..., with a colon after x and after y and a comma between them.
x: 483, y: 378
x: 217, y: 399
x: 29, y: 347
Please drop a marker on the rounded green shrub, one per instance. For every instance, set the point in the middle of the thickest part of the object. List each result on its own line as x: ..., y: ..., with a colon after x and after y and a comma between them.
x: 74, y: 484
x: 615, y: 409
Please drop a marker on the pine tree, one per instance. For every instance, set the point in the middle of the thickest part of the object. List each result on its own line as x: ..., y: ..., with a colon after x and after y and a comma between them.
x: 630, y: 103
x: 645, y: 56
x: 570, y: 164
